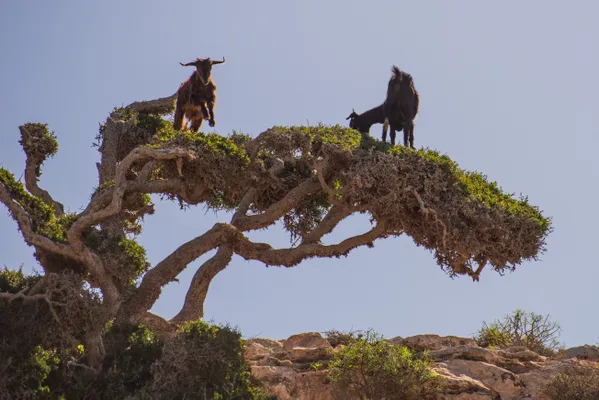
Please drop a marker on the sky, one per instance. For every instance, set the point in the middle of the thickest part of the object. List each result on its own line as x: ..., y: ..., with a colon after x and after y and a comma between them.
x: 507, y: 88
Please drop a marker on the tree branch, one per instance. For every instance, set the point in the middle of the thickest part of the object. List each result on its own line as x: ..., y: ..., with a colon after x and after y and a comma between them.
x: 158, y: 106
x: 90, y: 219
x: 280, y: 208
x: 290, y: 257
x: 25, y: 225
x: 193, y: 307
x: 167, y: 270
x: 334, y: 216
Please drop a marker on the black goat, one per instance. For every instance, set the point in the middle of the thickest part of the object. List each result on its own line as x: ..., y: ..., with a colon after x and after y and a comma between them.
x: 401, y: 106
x: 363, y: 122
x: 196, y: 96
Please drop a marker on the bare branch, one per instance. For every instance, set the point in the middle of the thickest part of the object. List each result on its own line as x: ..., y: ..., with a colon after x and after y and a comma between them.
x: 168, y: 269
x: 137, y: 186
x: 280, y: 208
x: 193, y: 308
x: 31, y: 185
x: 290, y: 257
x: 158, y: 106
x: 91, y: 219
x: 335, y: 215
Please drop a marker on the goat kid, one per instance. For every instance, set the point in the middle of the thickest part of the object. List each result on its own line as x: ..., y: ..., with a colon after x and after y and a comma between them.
x: 401, y: 106
x: 363, y: 122
x: 196, y: 96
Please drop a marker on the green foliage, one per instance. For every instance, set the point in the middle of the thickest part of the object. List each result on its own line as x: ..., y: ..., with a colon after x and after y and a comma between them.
x: 371, y: 368
x: 534, y: 331
x: 214, y: 143
x: 476, y: 185
x: 204, y: 362
x: 574, y: 384
x: 131, y: 351
x: 345, y: 138
x: 337, y: 338
x: 125, y: 258
x: 33, y: 205
x: 38, y: 142
x: 12, y: 281
x: 152, y: 123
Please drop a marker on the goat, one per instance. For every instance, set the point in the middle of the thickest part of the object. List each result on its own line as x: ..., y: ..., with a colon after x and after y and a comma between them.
x: 196, y: 96
x: 363, y: 122
x: 401, y: 106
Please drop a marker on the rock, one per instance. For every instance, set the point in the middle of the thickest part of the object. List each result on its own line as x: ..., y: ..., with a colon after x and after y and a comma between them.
x: 468, y: 372
x: 308, y: 354
x: 585, y: 352
x: 465, y: 353
x: 455, y: 385
x: 433, y: 342
x: 308, y: 339
x: 500, y: 381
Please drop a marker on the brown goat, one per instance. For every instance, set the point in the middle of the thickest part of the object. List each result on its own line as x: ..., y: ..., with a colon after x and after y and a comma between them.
x: 401, y: 106
x: 196, y: 96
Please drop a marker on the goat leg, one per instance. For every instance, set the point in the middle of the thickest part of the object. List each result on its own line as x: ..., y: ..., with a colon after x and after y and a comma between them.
x: 196, y: 123
x: 211, y: 120
x: 179, y: 122
x: 385, y: 126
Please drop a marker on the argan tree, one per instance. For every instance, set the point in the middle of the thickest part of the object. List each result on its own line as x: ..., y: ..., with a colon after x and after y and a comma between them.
x: 310, y: 178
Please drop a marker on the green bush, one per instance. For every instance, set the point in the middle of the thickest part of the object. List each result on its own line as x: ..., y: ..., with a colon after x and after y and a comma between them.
x: 534, y: 331
x: 574, y: 384
x: 204, y: 362
x: 41, y: 358
x: 371, y: 368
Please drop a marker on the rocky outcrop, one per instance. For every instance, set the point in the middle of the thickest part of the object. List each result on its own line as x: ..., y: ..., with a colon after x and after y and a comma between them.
x: 468, y: 371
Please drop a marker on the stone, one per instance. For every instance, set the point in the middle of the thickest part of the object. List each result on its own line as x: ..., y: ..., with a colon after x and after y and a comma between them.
x: 500, y: 381
x: 585, y: 352
x: 308, y: 354
x: 308, y: 339
x: 433, y: 342
x: 468, y: 372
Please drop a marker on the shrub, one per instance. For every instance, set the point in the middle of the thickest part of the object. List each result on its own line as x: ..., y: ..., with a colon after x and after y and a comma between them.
x: 534, y: 331
x: 371, y: 368
x: 337, y: 338
x: 204, y: 362
x: 574, y: 384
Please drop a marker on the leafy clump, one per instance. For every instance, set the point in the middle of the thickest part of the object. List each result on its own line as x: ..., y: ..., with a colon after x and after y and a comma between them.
x: 44, y: 220
x: 38, y: 333
x: 574, y: 384
x: 371, y: 368
x: 124, y: 258
x: 476, y: 184
x: 38, y: 142
x: 534, y: 331
x: 336, y: 338
x: 204, y: 362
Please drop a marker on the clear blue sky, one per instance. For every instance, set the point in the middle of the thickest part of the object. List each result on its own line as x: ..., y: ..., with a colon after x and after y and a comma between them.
x: 507, y: 88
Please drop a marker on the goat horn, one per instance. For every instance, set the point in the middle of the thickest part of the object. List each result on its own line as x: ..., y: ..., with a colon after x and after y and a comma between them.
x: 189, y: 64
x: 218, y: 62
